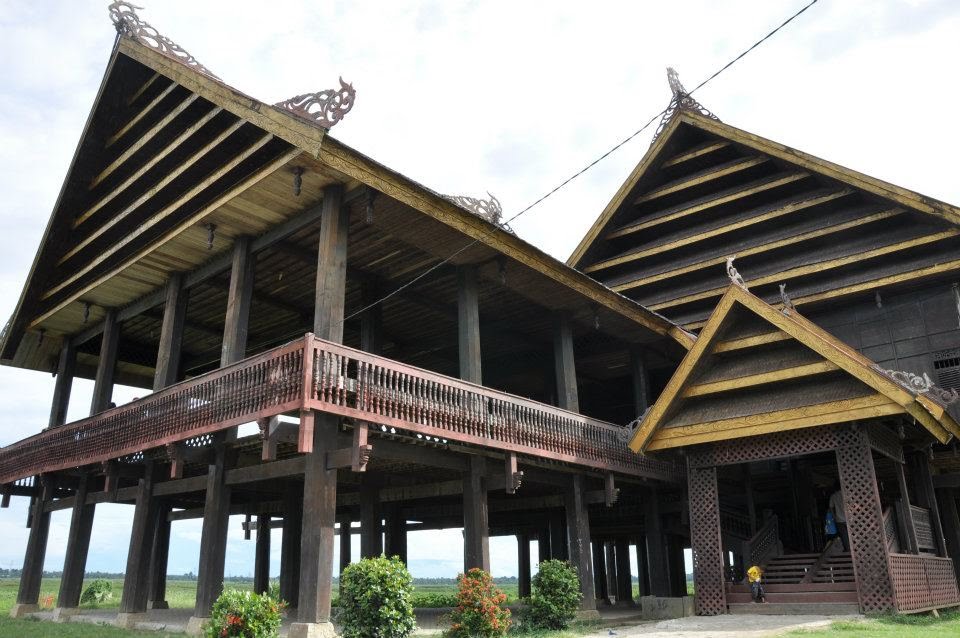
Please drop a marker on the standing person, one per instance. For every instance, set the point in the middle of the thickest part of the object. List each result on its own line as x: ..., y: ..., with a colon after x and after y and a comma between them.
x: 840, y: 517
x: 755, y: 576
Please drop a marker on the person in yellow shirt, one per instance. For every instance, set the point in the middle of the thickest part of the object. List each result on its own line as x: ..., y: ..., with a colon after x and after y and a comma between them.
x: 755, y: 576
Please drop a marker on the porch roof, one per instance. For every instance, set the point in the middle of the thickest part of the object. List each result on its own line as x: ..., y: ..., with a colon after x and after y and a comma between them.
x: 757, y: 369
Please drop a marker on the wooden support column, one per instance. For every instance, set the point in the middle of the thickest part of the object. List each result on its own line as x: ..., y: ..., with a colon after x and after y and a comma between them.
x: 543, y: 544
x: 158, y: 561
x: 171, y: 334
x: 624, y: 580
x: 395, y: 537
x: 476, y: 527
x: 346, y: 544
x: 371, y: 321
x: 468, y: 327
x: 658, y: 570
x: 290, y: 545
x: 578, y: 539
x: 904, y: 517
x: 564, y: 365
x: 78, y: 544
x: 371, y: 531
x: 947, y: 499
x: 559, y: 549
x: 240, y: 295
x: 213, y: 537
x: 643, y: 577
x: 106, y: 366
x: 523, y: 565
x: 925, y: 487
x: 640, y: 381
x: 319, y: 483
x: 261, y: 556
x: 31, y: 575
x: 64, y: 384
x: 748, y: 492
x: 610, y: 560
x: 678, y: 572
x: 136, y: 581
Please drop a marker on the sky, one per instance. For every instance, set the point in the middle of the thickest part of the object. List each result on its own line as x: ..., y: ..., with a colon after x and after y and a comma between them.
x: 466, y: 98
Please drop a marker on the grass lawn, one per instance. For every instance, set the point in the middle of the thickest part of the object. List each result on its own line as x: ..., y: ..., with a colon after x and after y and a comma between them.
x: 917, y: 625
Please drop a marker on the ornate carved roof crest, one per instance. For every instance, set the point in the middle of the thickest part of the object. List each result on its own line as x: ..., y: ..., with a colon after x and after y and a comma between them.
x: 488, y: 209
x: 922, y: 384
x: 681, y: 100
x: 733, y: 274
x: 127, y: 22
x: 326, y: 108
x: 785, y: 299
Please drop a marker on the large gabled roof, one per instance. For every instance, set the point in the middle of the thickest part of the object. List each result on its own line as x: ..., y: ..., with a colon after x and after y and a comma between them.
x: 139, y: 181
x: 756, y: 369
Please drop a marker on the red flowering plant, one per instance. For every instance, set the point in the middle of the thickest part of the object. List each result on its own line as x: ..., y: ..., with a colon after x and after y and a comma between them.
x: 480, y: 610
x: 243, y: 614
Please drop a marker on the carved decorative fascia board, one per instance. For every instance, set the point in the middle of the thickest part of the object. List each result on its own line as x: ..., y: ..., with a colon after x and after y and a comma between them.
x: 488, y: 209
x: 922, y: 384
x: 325, y: 108
x: 681, y: 101
x: 128, y: 23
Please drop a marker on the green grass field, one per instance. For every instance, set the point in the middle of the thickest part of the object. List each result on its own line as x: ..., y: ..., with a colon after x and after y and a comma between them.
x: 914, y: 626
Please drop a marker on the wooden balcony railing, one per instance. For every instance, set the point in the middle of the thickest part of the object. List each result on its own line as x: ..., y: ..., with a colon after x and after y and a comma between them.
x: 921, y: 522
x: 311, y: 373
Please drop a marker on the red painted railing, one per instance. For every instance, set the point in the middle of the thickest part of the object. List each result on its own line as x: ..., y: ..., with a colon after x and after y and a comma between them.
x: 315, y: 374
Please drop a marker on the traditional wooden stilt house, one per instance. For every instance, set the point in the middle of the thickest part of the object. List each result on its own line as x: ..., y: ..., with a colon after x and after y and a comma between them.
x: 408, y: 360
x: 848, y: 381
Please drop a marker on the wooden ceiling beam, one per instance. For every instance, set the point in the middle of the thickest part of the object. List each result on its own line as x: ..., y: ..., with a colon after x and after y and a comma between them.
x: 149, y: 164
x: 692, y: 236
x: 152, y: 192
x: 697, y: 151
x: 815, y: 268
x: 751, y: 342
x: 762, y: 248
x: 726, y: 385
x: 142, y: 113
x: 700, y: 178
x: 146, y: 85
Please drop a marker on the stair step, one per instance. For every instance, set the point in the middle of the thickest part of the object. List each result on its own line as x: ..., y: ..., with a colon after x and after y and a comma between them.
x: 798, y: 587
x: 797, y: 597
x: 796, y: 609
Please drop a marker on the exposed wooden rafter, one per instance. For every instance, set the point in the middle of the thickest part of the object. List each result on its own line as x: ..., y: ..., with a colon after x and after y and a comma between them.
x: 142, y: 113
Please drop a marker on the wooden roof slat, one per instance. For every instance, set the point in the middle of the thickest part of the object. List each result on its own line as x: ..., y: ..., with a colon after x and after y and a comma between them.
x: 123, y: 130
x: 146, y: 85
x: 709, y: 201
x: 764, y: 378
x: 751, y: 342
x: 701, y: 177
x: 697, y: 151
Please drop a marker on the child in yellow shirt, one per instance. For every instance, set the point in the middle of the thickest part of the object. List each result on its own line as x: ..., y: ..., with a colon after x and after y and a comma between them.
x: 755, y: 576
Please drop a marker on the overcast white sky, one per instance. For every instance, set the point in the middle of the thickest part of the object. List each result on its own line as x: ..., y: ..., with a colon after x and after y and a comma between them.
x: 466, y: 97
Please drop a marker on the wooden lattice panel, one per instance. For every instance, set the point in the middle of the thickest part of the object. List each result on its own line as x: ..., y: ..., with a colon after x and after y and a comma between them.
x: 942, y: 581
x: 868, y: 543
x: 774, y: 446
x: 923, y: 582
x: 885, y: 441
x: 705, y: 541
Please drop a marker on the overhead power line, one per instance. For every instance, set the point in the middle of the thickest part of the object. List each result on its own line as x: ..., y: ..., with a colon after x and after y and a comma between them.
x: 583, y: 170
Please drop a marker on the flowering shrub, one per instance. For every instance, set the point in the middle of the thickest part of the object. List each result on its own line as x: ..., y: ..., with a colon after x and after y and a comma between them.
x: 556, y: 595
x: 375, y: 599
x: 99, y: 591
x: 479, y: 612
x: 243, y: 614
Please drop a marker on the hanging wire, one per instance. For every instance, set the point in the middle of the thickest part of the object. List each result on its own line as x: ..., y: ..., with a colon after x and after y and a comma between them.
x: 583, y: 170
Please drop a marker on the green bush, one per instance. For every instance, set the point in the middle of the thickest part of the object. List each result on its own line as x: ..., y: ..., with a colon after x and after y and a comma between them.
x: 244, y: 614
x: 375, y: 599
x: 434, y: 601
x: 97, y: 592
x: 556, y: 595
x: 480, y: 611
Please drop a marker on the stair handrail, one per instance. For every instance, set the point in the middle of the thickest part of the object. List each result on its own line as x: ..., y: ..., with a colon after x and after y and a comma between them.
x: 765, y: 544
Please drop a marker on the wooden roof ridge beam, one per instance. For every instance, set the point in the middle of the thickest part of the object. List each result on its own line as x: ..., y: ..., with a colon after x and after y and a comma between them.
x: 762, y: 248
x: 702, y: 177
x: 763, y: 378
x: 697, y: 151
x: 143, y: 140
x: 817, y: 267
x: 142, y: 113
x: 710, y: 201
x: 231, y: 192
x: 163, y: 183
x: 795, y: 205
x: 153, y: 161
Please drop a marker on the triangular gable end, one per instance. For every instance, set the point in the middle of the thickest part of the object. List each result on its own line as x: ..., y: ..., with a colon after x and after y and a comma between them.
x: 756, y: 370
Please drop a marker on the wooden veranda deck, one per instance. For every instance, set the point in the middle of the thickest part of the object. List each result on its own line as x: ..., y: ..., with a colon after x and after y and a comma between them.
x: 313, y: 374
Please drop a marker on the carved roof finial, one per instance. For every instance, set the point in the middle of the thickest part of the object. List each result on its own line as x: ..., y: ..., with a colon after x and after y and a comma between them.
x: 785, y: 299
x: 922, y: 384
x: 680, y: 101
x: 326, y: 108
x: 488, y: 209
x: 733, y: 274
x: 127, y: 23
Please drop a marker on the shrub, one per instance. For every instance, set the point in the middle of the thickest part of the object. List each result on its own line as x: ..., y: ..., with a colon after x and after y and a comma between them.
x: 556, y: 595
x: 434, y: 600
x: 375, y: 599
x: 244, y: 614
x: 97, y: 592
x: 479, y: 612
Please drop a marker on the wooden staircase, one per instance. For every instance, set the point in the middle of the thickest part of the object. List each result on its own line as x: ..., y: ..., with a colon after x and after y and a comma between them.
x: 821, y: 584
